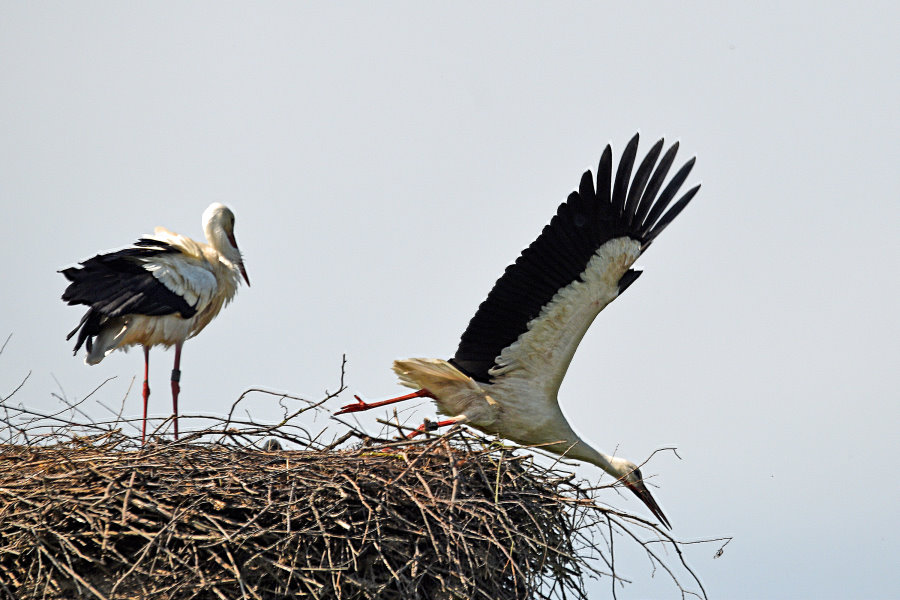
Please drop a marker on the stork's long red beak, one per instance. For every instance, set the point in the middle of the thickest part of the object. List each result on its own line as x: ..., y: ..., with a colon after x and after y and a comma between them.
x: 640, y: 490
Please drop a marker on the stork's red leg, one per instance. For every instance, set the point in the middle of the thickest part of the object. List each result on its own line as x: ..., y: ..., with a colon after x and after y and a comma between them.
x: 146, y: 391
x: 429, y: 426
x: 360, y: 405
x: 176, y: 377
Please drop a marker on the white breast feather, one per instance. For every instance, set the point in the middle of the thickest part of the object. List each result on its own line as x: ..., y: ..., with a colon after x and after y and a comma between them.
x: 542, y: 354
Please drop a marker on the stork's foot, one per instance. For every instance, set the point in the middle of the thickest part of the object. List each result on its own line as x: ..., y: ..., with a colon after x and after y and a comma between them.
x: 357, y: 407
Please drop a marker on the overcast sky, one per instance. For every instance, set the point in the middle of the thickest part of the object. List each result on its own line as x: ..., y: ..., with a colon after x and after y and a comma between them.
x: 386, y: 165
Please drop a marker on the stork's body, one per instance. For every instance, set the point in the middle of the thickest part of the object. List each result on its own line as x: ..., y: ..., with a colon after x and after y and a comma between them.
x: 159, y: 292
x: 506, y: 373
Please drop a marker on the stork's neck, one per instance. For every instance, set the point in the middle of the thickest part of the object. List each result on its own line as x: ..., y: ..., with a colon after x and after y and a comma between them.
x: 558, y: 436
x: 215, y: 235
x: 218, y: 239
x: 582, y: 451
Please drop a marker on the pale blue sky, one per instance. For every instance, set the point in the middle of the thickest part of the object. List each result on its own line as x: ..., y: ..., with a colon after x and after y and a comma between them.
x: 386, y: 165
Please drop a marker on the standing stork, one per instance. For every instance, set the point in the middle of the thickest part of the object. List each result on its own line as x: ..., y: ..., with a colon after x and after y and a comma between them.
x: 511, y: 360
x: 159, y: 292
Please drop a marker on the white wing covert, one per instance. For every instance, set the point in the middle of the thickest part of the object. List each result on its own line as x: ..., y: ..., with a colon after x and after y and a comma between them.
x: 188, y: 277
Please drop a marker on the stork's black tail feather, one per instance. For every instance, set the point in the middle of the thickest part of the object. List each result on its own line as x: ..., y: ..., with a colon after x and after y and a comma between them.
x: 87, y: 329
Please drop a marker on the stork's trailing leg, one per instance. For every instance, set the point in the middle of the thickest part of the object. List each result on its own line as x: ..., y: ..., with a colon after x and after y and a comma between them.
x: 176, y: 377
x: 360, y: 405
x: 429, y: 426
x: 146, y: 391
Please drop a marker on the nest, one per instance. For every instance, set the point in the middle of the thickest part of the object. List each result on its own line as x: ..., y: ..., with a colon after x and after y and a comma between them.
x: 226, y: 514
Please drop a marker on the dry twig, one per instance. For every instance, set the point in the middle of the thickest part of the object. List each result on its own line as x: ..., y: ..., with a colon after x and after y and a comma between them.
x: 86, y: 512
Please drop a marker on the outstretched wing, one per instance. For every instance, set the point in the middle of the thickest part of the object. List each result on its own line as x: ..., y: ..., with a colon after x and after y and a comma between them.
x: 540, y: 308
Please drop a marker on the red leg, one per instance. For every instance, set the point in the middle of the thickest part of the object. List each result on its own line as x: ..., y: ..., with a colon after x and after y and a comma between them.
x: 360, y: 405
x: 146, y: 391
x: 427, y: 425
x: 176, y: 377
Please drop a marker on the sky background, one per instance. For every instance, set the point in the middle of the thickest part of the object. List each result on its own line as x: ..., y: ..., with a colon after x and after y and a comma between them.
x: 386, y: 164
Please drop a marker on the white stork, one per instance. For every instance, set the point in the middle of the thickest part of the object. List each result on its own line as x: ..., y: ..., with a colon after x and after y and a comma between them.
x: 159, y: 292
x: 511, y: 360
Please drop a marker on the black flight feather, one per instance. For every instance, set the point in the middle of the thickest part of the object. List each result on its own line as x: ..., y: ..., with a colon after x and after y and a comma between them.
x: 666, y: 197
x: 641, y: 177
x: 662, y: 169
x: 623, y: 175
x: 584, y: 222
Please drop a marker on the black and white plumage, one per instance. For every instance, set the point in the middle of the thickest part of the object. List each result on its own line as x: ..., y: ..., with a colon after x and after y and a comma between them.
x: 160, y: 291
x: 511, y: 360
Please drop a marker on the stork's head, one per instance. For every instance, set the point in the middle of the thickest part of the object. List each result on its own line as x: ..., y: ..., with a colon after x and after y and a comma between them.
x: 630, y: 475
x: 218, y: 221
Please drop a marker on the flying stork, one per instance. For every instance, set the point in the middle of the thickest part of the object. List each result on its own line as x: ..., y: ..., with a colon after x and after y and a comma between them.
x: 511, y: 360
x: 160, y: 291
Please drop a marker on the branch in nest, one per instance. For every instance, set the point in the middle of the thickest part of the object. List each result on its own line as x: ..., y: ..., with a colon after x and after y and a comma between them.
x: 89, y: 513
